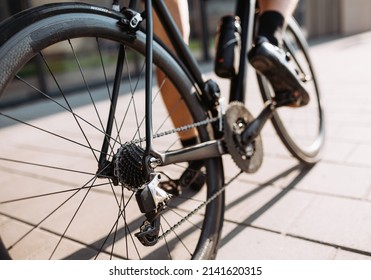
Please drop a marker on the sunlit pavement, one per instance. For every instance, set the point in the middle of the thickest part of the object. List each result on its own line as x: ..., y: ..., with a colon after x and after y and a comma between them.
x: 287, y: 211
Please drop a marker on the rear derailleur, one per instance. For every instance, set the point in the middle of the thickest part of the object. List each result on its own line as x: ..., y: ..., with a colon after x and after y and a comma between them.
x: 152, y: 201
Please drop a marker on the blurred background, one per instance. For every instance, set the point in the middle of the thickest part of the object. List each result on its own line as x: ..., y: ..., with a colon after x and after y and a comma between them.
x: 318, y: 17
x: 319, y: 20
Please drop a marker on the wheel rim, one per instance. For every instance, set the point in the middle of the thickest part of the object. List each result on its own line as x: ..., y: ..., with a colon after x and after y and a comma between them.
x: 301, y: 129
x: 56, y: 166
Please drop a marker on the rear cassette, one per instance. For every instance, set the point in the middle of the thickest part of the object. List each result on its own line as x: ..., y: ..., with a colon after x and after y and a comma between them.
x: 128, y: 166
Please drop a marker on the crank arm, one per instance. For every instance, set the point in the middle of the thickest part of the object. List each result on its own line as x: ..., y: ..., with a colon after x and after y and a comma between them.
x: 255, y: 127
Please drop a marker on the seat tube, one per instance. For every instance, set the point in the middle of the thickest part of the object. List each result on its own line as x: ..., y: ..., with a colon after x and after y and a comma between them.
x: 148, y: 87
x: 245, y: 10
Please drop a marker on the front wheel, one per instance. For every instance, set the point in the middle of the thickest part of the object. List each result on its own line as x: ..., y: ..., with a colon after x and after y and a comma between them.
x: 300, y: 129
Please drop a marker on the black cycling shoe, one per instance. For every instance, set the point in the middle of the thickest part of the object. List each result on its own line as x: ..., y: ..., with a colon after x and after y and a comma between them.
x: 273, y: 63
x: 193, y: 177
x: 171, y: 187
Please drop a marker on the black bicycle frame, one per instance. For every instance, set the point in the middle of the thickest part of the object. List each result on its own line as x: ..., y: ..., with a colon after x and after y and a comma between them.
x: 245, y: 10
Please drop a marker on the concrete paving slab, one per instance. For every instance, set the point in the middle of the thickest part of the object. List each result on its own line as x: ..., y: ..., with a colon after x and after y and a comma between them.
x: 360, y: 155
x: 274, y: 171
x: 244, y: 200
x: 339, y: 151
x: 335, y: 179
x: 262, y: 245
x: 338, y: 221
x: 42, y: 245
x: 346, y: 255
x: 281, y: 212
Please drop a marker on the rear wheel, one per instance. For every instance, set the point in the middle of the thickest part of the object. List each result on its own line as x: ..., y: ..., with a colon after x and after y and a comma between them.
x: 53, y: 202
x: 300, y: 129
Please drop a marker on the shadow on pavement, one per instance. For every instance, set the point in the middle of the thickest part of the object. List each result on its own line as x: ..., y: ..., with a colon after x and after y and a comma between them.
x: 304, y: 170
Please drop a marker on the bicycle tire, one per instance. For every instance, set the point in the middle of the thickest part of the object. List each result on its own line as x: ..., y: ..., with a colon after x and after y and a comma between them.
x: 300, y: 129
x: 55, y: 153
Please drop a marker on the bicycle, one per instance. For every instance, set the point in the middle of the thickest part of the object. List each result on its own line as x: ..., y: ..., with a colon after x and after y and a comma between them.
x: 73, y: 181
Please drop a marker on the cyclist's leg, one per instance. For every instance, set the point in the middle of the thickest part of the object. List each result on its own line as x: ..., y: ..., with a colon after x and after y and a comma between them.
x: 274, y: 15
x: 285, y: 7
x: 180, y: 117
x: 271, y: 61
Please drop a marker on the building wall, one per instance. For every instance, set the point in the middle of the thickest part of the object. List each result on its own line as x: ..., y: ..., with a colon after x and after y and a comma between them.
x: 318, y: 17
x: 323, y: 17
x: 355, y: 16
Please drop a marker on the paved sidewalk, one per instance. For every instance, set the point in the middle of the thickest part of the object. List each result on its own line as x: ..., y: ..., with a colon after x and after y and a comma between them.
x: 285, y: 212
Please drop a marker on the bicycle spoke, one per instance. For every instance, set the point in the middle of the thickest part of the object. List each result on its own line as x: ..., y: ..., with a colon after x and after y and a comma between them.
x: 121, y: 214
x: 62, y: 106
x: 53, y: 190
x: 171, y: 110
x: 37, y: 225
x: 69, y: 106
x: 86, y: 84
x: 69, y: 224
x: 52, y: 193
x: 48, y: 132
x: 177, y: 237
x: 138, y: 125
x: 47, y: 166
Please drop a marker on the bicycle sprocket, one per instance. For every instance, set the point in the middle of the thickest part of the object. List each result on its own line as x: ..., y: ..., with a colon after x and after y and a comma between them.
x: 128, y: 166
x: 247, y: 157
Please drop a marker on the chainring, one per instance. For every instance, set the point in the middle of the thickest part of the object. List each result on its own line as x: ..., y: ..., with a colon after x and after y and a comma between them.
x: 236, y: 119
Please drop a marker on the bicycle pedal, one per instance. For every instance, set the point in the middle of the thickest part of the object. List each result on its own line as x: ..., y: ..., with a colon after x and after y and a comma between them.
x: 172, y: 187
x: 290, y: 99
x: 192, y: 177
x: 198, y: 182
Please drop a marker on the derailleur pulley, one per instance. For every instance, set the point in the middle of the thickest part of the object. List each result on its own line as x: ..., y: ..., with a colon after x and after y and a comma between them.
x: 152, y: 200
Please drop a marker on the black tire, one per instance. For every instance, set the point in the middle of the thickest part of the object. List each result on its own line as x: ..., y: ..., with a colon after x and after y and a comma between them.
x: 300, y: 129
x: 52, y: 204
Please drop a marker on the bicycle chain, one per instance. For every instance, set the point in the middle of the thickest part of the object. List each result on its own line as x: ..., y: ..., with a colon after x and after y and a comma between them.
x: 210, y: 199
x: 131, y: 145
x: 202, y: 205
x: 176, y: 130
